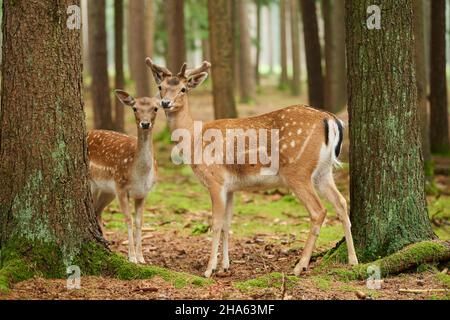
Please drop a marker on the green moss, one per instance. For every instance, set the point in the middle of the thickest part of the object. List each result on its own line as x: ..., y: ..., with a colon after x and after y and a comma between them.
x: 22, y: 261
x: 13, y: 271
x: 443, y: 278
x: 323, y: 282
x: 405, y: 259
x: 274, y: 279
x: 200, y: 228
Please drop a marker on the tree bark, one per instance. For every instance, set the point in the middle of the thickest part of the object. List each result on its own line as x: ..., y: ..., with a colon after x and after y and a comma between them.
x: 44, y: 191
x: 313, y: 53
x: 176, y: 53
x: 118, y: 58
x: 421, y: 78
x: 284, y: 80
x: 149, y: 40
x: 258, y: 42
x: 295, y: 39
x: 138, y: 47
x: 438, y: 81
x: 336, y: 72
x: 99, y: 66
x: 221, y: 45
x: 387, y: 184
x: 246, y: 71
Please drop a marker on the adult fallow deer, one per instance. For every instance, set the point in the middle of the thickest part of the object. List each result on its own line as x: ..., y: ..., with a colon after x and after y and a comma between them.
x: 309, y: 142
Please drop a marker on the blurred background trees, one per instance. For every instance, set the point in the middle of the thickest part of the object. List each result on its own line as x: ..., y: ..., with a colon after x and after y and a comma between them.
x: 295, y: 48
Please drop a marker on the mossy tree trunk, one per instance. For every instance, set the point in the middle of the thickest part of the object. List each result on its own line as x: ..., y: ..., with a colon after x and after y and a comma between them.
x: 284, y: 79
x: 294, y: 15
x: 44, y: 192
x: 388, y: 206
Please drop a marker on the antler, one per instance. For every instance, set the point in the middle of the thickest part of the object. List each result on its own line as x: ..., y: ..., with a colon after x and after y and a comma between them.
x: 157, y: 68
x: 182, y: 73
x: 203, y: 68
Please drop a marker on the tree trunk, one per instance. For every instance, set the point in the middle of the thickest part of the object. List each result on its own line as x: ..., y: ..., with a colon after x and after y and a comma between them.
x: 99, y: 66
x: 138, y: 47
x: 295, y: 39
x: 388, y: 206
x: 149, y: 40
x: 44, y: 191
x: 336, y: 73
x: 421, y: 77
x: 118, y: 58
x: 284, y: 80
x: 246, y: 71
x: 270, y: 47
x: 221, y: 45
x: 258, y: 42
x: 176, y: 53
x: 438, y: 81
x: 313, y: 53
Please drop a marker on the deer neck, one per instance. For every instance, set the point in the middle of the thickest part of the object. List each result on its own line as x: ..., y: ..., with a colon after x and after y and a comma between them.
x: 181, y: 119
x: 144, y: 153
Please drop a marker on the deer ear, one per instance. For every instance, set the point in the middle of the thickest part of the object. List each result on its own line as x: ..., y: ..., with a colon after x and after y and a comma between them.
x: 197, y: 80
x: 125, y: 98
x: 159, y: 73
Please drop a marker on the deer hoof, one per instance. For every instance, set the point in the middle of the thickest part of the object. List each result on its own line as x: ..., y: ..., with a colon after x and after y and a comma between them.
x: 209, y: 273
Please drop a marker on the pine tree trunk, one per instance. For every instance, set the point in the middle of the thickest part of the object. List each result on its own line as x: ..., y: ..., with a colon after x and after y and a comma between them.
x: 118, y: 58
x: 44, y: 191
x: 221, y: 44
x: 313, y: 54
x: 138, y: 47
x: 388, y: 206
x: 438, y: 80
x: 284, y: 80
x: 247, y: 81
x: 295, y: 39
x: 149, y: 40
x: 99, y: 66
x: 258, y: 42
x: 336, y: 72
x: 421, y: 77
x: 176, y: 54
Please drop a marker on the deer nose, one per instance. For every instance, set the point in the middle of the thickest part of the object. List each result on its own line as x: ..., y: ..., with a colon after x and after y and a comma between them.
x: 145, y: 125
x: 165, y: 103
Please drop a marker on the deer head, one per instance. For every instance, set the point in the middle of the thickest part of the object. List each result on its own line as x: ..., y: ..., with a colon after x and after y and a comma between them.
x: 145, y: 109
x: 173, y: 89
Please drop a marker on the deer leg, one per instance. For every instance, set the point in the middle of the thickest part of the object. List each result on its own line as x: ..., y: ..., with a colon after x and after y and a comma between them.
x: 124, y: 206
x: 218, y: 217
x: 139, y: 209
x: 226, y: 231
x: 328, y: 189
x: 317, y: 213
x: 101, y: 201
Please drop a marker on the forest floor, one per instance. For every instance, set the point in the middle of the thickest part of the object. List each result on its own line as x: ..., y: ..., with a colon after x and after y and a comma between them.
x: 269, y: 230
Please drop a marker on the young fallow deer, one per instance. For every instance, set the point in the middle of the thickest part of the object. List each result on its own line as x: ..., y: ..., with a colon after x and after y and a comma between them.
x: 309, y: 144
x: 124, y: 167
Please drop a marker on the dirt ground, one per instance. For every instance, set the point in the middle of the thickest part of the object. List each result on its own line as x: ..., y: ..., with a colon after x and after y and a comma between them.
x: 269, y: 231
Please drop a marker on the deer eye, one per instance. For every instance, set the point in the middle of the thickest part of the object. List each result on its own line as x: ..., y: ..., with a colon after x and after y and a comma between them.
x: 134, y: 109
x: 183, y: 90
x: 160, y: 88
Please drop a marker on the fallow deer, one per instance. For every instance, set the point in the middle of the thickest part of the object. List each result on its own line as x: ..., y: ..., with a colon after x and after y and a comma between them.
x: 124, y: 167
x: 308, y: 146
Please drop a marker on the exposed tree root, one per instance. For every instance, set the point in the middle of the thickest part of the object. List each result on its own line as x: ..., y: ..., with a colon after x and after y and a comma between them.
x: 406, y: 259
x: 93, y: 259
